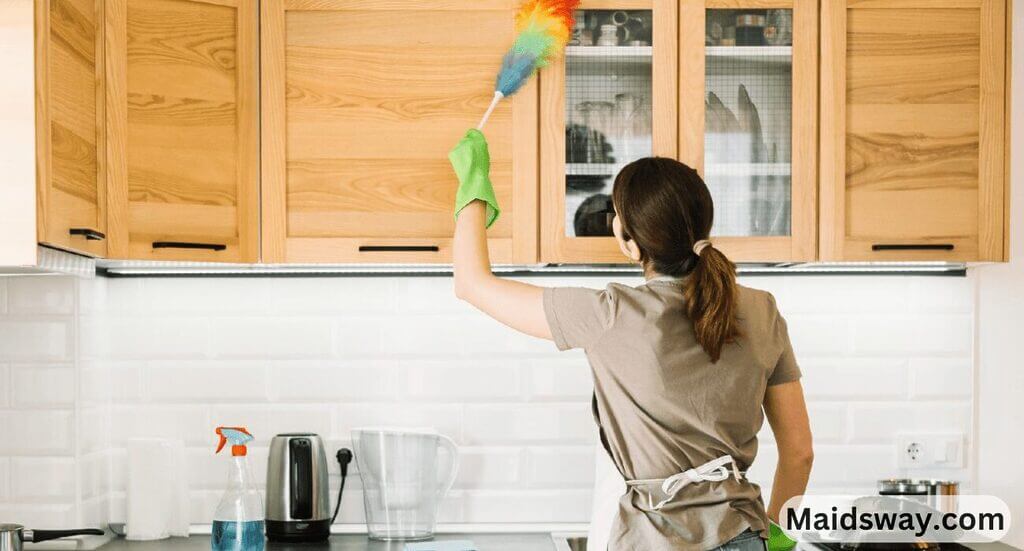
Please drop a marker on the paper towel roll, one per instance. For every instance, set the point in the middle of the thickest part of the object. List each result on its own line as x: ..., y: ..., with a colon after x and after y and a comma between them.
x: 157, y: 505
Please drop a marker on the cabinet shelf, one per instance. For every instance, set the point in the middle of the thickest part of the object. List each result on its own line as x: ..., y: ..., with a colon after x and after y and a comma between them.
x: 642, y: 55
x: 752, y: 54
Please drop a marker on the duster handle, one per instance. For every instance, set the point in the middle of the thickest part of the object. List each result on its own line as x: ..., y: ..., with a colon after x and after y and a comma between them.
x: 494, y: 103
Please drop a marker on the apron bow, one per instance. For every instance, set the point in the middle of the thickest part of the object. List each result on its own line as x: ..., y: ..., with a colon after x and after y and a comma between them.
x: 712, y: 471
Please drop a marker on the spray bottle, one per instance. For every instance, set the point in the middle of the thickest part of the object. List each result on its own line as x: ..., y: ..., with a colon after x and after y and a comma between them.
x: 238, y: 523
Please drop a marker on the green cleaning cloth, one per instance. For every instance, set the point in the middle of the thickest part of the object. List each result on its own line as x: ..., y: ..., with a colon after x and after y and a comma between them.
x: 472, y: 163
x: 778, y: 540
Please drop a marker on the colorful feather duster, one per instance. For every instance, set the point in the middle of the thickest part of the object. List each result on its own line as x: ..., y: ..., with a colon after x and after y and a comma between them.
x: 543, y: 28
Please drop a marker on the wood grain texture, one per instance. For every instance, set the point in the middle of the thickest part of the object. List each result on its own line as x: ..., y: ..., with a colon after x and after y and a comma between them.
x: 357, y: 132
x: 804, y: 194
x: 910, y: 98
x: 69, y: 88
x: 691, y: 83
x: 184, y: 107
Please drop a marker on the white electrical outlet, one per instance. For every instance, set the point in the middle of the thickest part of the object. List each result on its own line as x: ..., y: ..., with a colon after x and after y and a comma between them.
x: 921, y: 451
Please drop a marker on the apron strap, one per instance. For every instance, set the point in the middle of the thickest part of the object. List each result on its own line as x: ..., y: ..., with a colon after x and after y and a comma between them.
x: 712, y: 471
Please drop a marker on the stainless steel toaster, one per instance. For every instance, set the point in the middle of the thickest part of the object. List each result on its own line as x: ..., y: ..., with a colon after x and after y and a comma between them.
x: 298, y: 496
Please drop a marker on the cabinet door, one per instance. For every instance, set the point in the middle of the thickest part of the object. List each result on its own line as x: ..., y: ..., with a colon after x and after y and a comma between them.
x: 182, y: 117
x: 362, y: 100
x: 747, y: 121
x: 610, y: 100
x: 912, y: 113
x: 69, y: 125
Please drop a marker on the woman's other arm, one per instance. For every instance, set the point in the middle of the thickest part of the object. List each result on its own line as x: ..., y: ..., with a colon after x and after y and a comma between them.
x: 787, y: 414
x: 517, y: 305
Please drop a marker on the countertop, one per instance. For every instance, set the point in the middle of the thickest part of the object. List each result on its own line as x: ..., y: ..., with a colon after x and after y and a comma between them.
x: 349, y: 542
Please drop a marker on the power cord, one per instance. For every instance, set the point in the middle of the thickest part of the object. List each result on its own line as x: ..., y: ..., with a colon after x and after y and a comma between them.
x: 344, y: 457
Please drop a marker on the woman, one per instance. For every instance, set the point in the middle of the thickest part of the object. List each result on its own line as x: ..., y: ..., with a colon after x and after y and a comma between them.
x: 685, y: 366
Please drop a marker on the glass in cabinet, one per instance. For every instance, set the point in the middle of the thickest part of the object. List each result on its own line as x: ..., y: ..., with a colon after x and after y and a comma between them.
x: 609, y: 101
x: 748, y: 119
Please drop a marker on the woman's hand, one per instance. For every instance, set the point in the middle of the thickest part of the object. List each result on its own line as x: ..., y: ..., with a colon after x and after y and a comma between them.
x: 517, y: 305
x: 787, y: 414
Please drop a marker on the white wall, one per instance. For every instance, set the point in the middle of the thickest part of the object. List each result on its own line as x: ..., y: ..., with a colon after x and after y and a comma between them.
x: 176, y: 357
x: 1000, y: 328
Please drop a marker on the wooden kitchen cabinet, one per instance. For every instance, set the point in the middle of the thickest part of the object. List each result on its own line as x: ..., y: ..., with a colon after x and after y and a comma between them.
x: 71, y: 205
x: 736, y: 105
x: 913, y: 108
x: 182, y: 121
x: 361, y: 102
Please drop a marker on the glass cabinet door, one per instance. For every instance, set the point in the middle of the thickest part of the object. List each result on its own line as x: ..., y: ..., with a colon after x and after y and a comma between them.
x: 609, y: 101
x: 747, y: 124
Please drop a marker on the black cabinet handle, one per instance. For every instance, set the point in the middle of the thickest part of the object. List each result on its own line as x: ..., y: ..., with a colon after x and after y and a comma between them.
x: 88, y: 233
x: 399, y: 248
x: 912, y: 247
x: 182, y: 245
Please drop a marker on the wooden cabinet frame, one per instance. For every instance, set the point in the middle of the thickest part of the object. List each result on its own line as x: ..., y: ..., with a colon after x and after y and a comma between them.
x: 556, y: 247
x: 279, y: 245
x: 243, y: 217
x: 801, y: 244
x: 992, y: 139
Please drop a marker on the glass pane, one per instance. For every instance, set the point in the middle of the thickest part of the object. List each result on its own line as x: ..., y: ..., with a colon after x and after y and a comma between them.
x: 608, y: 111
x: 749, y: 120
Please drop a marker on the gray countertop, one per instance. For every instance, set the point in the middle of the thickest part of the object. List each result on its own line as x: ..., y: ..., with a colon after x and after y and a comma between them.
x: 348, y: 542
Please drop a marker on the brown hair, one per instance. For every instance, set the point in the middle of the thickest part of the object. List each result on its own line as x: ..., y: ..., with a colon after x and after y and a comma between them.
x: 665, y: 207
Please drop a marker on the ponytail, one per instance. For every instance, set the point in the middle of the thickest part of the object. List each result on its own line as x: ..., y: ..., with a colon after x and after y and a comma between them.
x: 710, y: 294
x: 665, y: 207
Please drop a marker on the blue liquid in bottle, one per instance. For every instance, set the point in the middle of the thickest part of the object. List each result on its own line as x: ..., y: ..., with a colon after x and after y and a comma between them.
x: 244, y: 535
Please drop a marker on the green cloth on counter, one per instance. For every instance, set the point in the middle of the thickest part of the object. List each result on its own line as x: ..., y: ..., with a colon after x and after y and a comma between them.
x: 778, y: 540
x: 472, y: 163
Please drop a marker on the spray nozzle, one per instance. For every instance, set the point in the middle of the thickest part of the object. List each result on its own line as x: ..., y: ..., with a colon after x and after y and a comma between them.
x: 238, y: 436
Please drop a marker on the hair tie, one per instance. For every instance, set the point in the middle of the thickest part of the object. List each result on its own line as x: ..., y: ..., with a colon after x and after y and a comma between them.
x: 699, y: 246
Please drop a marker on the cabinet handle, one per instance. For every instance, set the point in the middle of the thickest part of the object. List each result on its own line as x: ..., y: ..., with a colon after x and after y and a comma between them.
x: 399, y: 248
x: 912, y: 247
x: 181, y: 245
x: 88, y: 233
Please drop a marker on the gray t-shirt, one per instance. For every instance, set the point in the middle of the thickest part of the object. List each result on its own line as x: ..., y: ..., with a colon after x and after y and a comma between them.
x: 663, y: 407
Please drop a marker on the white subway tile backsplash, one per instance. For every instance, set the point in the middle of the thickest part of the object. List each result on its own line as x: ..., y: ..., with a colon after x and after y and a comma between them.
x: 39, y: 516
x: 34, y: 386
x: 175, y: 357
x: 41, y: 295
x: 45, y: 340
x: 941, y: 378
x: 36, y: 432
x: 42, y: 478
x: 265, y: 338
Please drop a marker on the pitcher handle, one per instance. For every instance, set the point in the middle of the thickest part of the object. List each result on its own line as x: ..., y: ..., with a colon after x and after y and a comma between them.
x: 453, y: 454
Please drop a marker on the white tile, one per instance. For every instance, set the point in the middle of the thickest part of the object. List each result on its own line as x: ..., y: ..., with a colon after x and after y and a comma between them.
x: 526, y: 423
x: 560, y: 467
x: 445, y: 418
x: 426, y: 335
x: 35, y: 340
x: 130, y: 337
x: 93, y: 299
x: 818, y: 335
x: 483, y: 380
x: 942, y: 294
x: 560, y: 379
x: 94, y: 474
x: 428, y: 295
x: 38, y: 432
x: 340, y: 297
x: 361, y: 337
x: 41, y: 295
x: 489, y: 467
x: 187, y: 422
x: 859, y: 466
x: 855, y: 378
x: 878, y: 422
x: 205, y: 381
x: 95, y: 511
x: 3, y: 295
x: 270, y: 337
x: 821, y: 294
x: 56, y: 516
x: 5, y: 478
x: 327, y: 381
x: 933, y: 335
x: 828, y: 422
x: 42, y: 385
x: 523, y: 506
x: 205, y: 296
x: 94, y: 429
x: 5, y: 385
x: 941, y: 378
x: 265, y: 421
x: 50, y: 478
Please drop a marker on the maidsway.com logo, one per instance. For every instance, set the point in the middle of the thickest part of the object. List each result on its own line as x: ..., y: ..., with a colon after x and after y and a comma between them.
x: 893, y: 519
